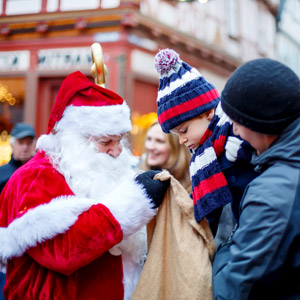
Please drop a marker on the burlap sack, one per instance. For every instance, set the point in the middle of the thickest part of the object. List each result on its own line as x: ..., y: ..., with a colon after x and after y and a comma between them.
x: 180, y: 254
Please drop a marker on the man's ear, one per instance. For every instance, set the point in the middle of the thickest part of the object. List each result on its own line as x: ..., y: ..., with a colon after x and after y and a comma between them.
x: 210, y: 114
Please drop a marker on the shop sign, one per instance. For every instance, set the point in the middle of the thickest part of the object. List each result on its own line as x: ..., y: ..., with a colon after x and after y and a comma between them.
x: 14, y: 60
x: 64, y: 58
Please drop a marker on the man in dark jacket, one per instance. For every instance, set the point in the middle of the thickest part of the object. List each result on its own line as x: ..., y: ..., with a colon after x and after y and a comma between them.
x: 261, y: 259
x: 23, y: 144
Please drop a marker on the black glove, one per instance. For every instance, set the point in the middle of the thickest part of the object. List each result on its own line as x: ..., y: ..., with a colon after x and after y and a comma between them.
x: 155, y: 189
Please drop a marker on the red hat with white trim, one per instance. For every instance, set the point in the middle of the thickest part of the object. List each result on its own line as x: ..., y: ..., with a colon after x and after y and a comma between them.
x: 85, y: 106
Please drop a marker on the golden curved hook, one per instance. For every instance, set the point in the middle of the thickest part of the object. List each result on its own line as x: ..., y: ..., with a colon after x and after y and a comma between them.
x: 98, y: 68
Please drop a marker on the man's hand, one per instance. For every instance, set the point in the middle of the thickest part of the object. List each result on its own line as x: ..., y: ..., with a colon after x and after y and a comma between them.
x: 155, y: 189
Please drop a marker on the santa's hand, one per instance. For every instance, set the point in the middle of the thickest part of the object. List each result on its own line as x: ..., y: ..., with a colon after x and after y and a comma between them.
x: 155, y: 188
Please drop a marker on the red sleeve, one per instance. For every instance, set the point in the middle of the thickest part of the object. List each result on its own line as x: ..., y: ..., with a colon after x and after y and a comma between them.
x: 95, y: 231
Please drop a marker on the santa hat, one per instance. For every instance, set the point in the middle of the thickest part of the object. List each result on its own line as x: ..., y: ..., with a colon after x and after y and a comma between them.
x: 183, y: 93
x: 89, y: 108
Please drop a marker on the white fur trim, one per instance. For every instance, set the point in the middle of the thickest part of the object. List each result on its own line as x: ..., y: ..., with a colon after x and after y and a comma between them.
x: 133, y: 251
x: 96, y: 120
x: 39, y: 224
x: 131, y: 206
x: 188, y: 76
x: 128, y: 203
x: 46, y: 142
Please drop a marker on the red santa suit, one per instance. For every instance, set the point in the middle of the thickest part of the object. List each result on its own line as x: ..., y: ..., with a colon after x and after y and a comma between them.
x: 56, y: 245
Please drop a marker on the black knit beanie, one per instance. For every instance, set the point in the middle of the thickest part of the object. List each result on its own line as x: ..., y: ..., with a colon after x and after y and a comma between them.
x: 262, y: 95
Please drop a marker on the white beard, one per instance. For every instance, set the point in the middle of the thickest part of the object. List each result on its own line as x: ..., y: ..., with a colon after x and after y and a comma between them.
x: 88, y: 173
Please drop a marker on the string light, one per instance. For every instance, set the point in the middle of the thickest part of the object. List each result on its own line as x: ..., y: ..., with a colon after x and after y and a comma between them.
x: 6, y: 96
x: 5, y: 148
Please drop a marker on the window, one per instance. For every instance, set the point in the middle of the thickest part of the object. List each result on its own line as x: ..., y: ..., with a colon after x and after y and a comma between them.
x: 15, y: 7
x: 232, y: 19
x: 261, y: 32
x: 110, y: 3
x: 79, y: 4
x: 52, y: 5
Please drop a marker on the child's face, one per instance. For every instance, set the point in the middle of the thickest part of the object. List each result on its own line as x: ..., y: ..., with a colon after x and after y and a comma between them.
x: 191, y: 131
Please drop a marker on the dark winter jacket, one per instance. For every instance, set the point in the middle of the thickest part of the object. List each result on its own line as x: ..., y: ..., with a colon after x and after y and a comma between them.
x: 262, y: 258
x: 5, y: 173
x: 238, y: 175
x: 7, y: 170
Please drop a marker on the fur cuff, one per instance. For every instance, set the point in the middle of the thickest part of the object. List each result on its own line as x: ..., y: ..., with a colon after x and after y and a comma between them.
x: 39, y: 224
x: 131, y: 206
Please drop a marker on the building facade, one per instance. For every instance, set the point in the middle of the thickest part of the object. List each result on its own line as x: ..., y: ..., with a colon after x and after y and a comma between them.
x: 287, y: 35
x: 42, y: 41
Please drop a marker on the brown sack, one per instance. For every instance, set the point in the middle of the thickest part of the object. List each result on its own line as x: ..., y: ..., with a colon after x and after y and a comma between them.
x: 179, y: 261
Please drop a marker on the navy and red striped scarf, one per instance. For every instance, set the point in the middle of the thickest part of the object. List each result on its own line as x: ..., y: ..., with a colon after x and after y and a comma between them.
x: 210, y: 189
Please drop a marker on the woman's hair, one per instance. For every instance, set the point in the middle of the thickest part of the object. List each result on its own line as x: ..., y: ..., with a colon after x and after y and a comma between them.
x: 177, y: 163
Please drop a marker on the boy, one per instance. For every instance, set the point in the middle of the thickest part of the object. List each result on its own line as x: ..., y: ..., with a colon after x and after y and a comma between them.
x: 188, y: 106
x: 261, y: 260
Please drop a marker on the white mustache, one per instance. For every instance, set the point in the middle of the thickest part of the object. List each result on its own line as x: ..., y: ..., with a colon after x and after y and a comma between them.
x: 87, y: 172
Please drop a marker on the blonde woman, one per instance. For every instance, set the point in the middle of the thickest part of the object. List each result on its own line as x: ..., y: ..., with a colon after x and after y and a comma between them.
x: 163, y: 151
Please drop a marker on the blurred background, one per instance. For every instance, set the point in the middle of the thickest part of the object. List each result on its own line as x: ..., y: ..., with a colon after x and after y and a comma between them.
x: 42, y: 41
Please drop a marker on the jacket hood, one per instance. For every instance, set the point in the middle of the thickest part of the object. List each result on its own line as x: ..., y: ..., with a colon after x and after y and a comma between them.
x: 285, y: 148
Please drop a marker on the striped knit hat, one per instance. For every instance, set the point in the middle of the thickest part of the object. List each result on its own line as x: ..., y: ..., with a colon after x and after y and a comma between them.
x: 183, y: 93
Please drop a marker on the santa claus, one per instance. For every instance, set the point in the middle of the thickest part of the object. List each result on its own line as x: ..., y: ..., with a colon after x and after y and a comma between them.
x: 72, y: 219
